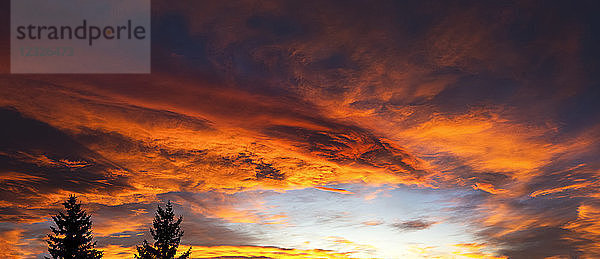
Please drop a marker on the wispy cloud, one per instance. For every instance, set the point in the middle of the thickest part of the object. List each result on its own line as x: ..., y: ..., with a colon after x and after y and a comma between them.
x: 411, y: 225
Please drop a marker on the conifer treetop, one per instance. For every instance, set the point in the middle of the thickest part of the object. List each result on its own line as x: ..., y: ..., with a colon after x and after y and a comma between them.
x: 72, y: 237
x: 166, y: 232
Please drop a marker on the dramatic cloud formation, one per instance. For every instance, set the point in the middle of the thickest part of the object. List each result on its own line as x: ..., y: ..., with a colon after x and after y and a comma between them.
x: 324, y: 129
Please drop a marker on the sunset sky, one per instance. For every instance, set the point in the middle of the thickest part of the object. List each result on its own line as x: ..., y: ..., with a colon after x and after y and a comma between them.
x: 322, y: 129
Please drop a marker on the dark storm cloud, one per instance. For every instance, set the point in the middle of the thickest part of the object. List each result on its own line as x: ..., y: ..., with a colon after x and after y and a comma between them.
x: 264, y: 170
x: 38, y: 160
x: 340, y: 145
x: 554, y: 220
x: 542, y: 242
x: 412, y: 225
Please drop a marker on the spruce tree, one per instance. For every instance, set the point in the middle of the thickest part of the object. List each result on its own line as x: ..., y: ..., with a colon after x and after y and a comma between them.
x: 72, y: 238
x: 167, y: 234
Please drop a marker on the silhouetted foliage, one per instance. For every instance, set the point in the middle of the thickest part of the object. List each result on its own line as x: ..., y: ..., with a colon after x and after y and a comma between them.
x: 72, y: 238
x: 167, y: 234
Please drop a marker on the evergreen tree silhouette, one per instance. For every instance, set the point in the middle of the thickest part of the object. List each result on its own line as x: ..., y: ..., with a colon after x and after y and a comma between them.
x: 167, y: 234
x: 72, y: 238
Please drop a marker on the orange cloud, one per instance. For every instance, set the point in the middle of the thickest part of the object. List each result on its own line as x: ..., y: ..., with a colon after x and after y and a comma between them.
x: 561, y: 189
x: 487, y: 187
x: 486, y: 141
x: 202, y: 147
x: 372, y: 223
x: 117, y: 252
x: 264, y: 251
x: 9, y: 241
x: 587, y: 225
x: 474, y: 250
x: 343, y: 244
